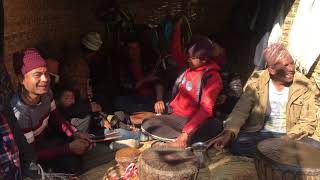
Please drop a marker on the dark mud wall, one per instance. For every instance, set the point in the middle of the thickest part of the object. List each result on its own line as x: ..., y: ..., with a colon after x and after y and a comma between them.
x: 58, y: 22
x: 61, y: 23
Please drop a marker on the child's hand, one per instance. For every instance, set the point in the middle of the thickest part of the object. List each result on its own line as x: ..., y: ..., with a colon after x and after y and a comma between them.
x: 159, y: 107
x: 134, y: 129
x: 106, y: 124
x: 221, y: 99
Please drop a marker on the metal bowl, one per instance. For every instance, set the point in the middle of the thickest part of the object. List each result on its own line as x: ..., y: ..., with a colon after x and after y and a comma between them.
x: 199, y: 146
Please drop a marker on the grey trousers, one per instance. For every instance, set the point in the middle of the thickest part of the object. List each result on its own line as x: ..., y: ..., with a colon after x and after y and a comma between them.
x: 169, y: 127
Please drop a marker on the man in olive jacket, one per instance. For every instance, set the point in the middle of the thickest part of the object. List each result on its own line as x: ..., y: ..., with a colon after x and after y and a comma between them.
x: 276, y: 102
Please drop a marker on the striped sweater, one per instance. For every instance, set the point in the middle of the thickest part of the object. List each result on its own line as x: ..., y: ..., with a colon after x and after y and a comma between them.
x: 35, y: 121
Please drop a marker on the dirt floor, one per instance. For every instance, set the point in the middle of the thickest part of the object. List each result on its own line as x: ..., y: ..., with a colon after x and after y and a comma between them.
x: 221, y: 166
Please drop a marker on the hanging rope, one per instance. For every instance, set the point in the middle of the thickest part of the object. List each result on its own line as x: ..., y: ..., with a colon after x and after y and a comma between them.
x: 188, y: 24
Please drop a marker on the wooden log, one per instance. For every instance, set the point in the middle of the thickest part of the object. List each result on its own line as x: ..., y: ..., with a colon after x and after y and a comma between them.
x: 155, y: 164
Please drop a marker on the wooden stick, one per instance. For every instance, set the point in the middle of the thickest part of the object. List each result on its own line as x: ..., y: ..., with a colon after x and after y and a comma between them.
x: 104, y: 136
x: 106, y: 139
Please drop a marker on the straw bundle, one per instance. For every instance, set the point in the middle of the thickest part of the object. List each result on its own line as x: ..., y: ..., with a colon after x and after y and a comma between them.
x: 224, y: 166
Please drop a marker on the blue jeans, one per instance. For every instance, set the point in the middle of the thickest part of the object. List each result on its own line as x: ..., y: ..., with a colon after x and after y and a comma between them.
x: 246, y: 143
x: 133, y: 103
x: 125, y: 134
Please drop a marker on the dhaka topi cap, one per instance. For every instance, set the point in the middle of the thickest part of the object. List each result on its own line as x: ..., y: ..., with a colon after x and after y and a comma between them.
x: 92, y: 41
x: 32, y: 60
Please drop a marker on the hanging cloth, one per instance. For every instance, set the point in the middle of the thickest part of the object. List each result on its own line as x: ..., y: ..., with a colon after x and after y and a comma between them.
x: 304, y: 37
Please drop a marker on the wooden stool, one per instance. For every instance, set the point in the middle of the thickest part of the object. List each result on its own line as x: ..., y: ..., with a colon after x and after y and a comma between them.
x: 278, y: 159
x: 157, y: 164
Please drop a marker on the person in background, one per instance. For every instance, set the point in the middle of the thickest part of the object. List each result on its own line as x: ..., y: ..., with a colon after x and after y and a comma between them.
x: 179, y: 54
x: 56, y: 142
x: 101, y: 71
x: 276, y: 102
x: 232, y: 90
x: 74, y: 110
x: 53, y: 70
x: 87, y: 71
x: 232, y: 86
x: 193, y: 100
x: 140, y: 86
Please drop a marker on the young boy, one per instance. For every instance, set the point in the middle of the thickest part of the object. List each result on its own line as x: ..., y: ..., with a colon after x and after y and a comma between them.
x: 76, y: 112
x: 193, y: 99
x: 79, y: 114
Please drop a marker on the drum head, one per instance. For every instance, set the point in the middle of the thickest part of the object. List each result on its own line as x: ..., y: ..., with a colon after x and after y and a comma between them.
x: 138, y: 117
x: 158, y: 128
x: 290, y: 153
x: 157, y: 137
x: 168, y: 162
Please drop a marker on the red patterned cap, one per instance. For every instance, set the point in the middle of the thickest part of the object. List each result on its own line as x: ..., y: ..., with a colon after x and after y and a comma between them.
x: 32, y: 60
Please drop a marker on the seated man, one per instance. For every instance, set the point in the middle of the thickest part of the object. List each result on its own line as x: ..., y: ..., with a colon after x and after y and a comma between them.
x: 139, y: 85
x: 17, y: 156
x: 41, y: 123
x: 194, y: 97
x: 276, y: 102
x: 87, y: 72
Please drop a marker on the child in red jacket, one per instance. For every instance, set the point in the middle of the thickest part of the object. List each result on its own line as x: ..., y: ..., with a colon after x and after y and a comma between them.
x: 193, y: 100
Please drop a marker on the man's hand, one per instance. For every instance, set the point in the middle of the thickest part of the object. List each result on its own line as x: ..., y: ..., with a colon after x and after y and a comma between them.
x: 79, y: 146
x: 149, y: 78
x: 87, y: 137
x: 159, y: 107
x: 82, y: 135
x: 221, y: 99
x: 288, y: 137
x: 95, y: 107
x: 222, y: 140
